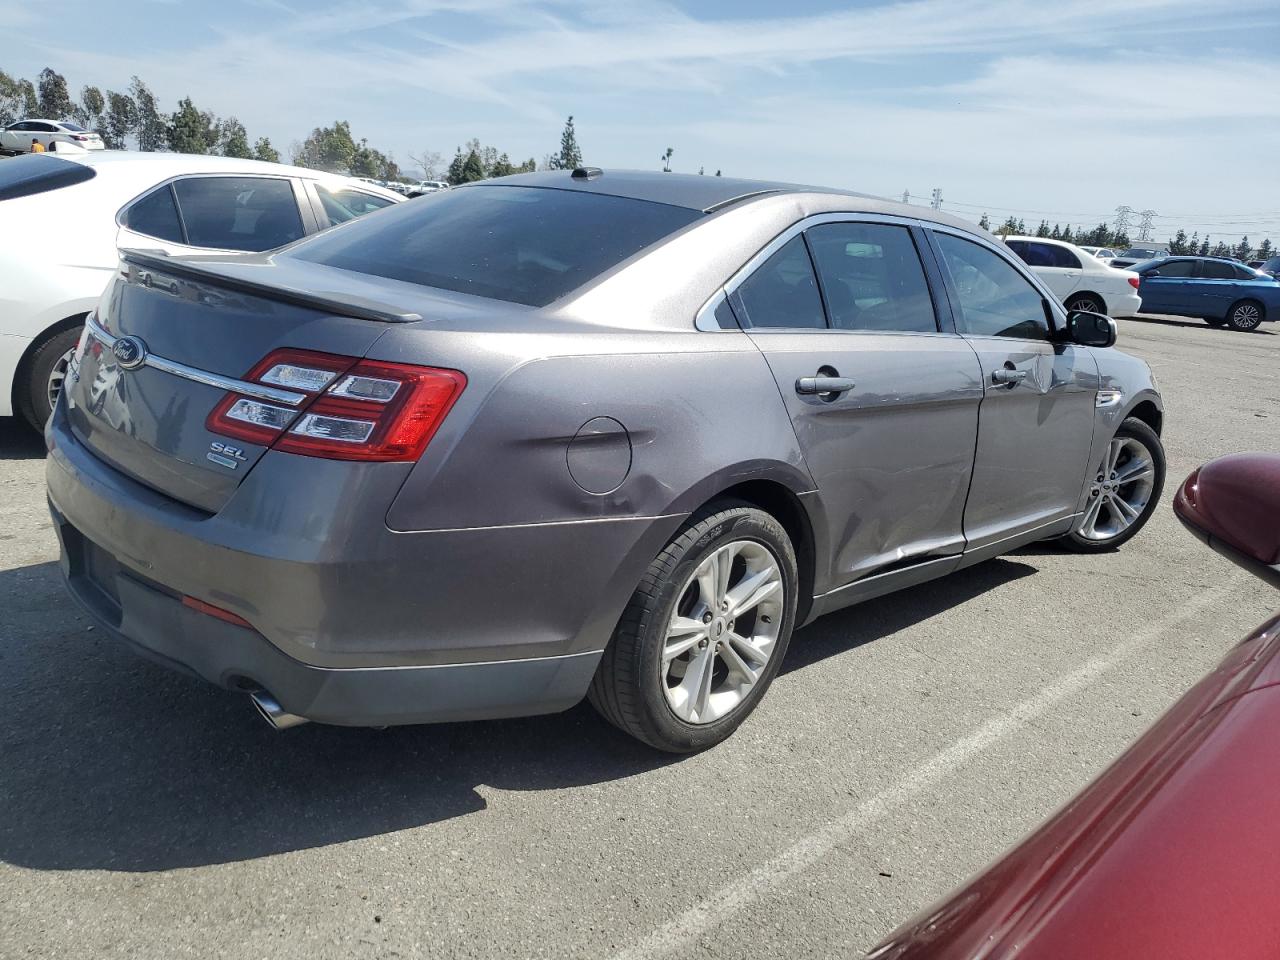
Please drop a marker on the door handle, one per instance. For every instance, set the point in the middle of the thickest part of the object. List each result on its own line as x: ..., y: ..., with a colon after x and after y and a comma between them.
x: 1007, y: 375
x: 823, y: 386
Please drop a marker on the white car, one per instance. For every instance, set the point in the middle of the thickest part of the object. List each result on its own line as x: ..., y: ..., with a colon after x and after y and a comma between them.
x: 17, y: 136
x: 1079, y: 280
x: 1105, y: 254
x: 64, y: 218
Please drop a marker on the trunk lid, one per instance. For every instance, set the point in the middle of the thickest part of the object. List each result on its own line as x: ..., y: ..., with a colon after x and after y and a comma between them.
x: 212, y: 317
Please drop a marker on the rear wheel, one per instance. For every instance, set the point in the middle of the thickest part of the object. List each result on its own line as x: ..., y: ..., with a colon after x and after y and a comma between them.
x: 46, y: 371
x: 1245, y: 316
x: 1124, y: 492
x: 1087, y: 302
x: 704, y: 633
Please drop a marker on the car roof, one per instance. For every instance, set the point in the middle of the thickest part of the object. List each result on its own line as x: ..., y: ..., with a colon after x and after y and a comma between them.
x: 706, y: 194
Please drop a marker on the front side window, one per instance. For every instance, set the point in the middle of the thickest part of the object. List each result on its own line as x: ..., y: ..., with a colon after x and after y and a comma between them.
x: 872, y: 277
x: 239, y: 213
x: 1176, y: 269
x: 995, y: 300
x: 343, y: 205
x: 1044, y: 254
x: 156, y: 215
x: 783, y: 291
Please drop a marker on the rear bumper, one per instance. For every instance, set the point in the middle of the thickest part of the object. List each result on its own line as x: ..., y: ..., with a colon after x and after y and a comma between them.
x: 351, y: 623
x: 1125, y: 305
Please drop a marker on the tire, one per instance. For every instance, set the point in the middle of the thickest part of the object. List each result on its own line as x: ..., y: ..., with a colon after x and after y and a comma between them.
x: 1106, y: 523
x: 1217, y: 322
x: 46, y: 363
x: 1246, y: 316
x: 1087, y: 302
x: 633, y: 687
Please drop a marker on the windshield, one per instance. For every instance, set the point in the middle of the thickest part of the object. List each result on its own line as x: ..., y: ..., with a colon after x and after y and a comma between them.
x: 528, y: 245
x: 1146, y: 253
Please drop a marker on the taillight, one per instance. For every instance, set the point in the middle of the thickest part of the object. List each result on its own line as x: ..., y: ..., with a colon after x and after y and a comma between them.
x: 1134, y: 282
x: 354, y: 409
x: 76, y: 136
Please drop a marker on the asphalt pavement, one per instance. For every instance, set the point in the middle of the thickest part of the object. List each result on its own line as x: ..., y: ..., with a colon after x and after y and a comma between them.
x: 906, y: 743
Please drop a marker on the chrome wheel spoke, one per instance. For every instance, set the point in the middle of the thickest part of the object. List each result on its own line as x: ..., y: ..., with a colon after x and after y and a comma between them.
x: 1135, y: 469
x: 1089, y: 526
x: 743, y: 647
x: 752, y: 590
x: 735, y: 662
x: 1126, y: 510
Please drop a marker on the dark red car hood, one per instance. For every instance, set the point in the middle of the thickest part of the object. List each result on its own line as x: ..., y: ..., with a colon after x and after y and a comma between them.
x: 1173, y: 852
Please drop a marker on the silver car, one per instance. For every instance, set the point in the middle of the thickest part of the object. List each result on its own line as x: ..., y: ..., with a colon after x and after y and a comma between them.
x: 575, y: 433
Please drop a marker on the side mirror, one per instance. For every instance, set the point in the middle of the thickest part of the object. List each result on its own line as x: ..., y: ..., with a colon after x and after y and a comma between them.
x: 1091, y: 329
x: 1151, y: 273
x: 1233, y: 505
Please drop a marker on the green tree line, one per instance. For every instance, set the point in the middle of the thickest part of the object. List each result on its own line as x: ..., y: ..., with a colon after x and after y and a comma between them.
x: 1103, y: 235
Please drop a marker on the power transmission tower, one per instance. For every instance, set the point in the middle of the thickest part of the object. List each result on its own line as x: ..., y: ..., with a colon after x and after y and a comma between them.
x: 906, y: 196
x: 937, y: 198
x: 1122, y: 219
x: 1146, y: 228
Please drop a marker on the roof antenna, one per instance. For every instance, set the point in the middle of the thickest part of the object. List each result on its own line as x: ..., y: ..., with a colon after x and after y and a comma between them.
x: 587, y: 173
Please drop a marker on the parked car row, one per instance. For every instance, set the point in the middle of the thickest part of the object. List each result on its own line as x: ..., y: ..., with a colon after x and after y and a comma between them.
x: 65, y: 218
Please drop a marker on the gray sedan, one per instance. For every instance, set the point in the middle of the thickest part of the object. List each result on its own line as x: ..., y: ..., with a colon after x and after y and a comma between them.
x: 575, y: 433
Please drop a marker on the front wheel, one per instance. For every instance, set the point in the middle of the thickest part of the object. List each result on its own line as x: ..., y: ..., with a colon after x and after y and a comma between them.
x: 704, y: 633
x: 1245, y: 316
x: 1124, y: 490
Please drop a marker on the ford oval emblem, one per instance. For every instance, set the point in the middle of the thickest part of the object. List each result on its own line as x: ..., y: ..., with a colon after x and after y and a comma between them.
x: 130, y: 352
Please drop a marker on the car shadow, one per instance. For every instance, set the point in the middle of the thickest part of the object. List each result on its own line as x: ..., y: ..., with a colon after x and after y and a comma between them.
x: 1168, y: 321
x: 18, y: 441
x: 113, y: 763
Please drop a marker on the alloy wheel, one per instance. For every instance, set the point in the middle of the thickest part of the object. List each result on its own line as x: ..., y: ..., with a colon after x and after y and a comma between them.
x: 1246, y: 316
x: 722, y: 631
x: 58, y: 376
x: 1121, y: 491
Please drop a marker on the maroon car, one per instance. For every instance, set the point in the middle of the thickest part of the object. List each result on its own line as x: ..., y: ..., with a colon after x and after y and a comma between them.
x: 1174, y: 851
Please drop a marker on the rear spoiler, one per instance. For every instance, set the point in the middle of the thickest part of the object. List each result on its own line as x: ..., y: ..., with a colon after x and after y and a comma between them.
x: 191, y: 269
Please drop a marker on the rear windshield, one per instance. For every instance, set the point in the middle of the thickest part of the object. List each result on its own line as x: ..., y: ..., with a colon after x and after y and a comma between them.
x: 36, y: 173
x: 528, y: 245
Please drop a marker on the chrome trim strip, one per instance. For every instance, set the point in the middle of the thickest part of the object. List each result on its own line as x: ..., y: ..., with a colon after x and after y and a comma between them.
x: 230, y: 384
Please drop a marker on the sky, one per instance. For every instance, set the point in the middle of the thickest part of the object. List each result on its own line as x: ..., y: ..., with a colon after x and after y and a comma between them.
x: 1061, y: 109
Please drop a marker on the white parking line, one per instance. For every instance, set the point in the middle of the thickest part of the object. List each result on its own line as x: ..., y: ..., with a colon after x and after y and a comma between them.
x: 678, y: 934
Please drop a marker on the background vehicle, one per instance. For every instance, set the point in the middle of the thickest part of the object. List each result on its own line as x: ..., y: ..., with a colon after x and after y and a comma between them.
x: 17, y: 136
x: 1105, y: 254
x: 1080, y: 281
x: 1271, y: 266
x: 1222, y: 292
x: 66, y: 217
x: 342, y: 456
x: 1136, y: 255
x: 1174, y: 851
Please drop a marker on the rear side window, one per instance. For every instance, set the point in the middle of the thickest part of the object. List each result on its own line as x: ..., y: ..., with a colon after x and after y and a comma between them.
x: 872, y: 277
x: 1044, y: 254
x: 783, y: 291
x: 156, y: 215
x: 995, y: 299
x: 1215, y: 270
x: 239, y: 213
x: 523, y: 244
x: 343, y: 205
x: 34, y: 173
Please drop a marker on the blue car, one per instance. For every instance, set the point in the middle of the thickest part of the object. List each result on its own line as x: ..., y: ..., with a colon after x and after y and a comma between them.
x: 1223, y: 293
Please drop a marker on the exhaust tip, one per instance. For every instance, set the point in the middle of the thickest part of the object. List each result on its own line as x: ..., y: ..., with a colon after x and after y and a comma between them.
x: 273, y: 713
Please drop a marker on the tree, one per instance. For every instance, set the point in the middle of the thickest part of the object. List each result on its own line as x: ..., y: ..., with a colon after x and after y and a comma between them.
x: 1067, y: 236
x: 1204, y: 247
x: 149, y: 127
x: 666, y: 160
x: 12, y: 99
x: 1265, y: 250
x: 122, y: 116
x: 984, y: 223
x: 263, y: 150
x: 718, y: 174
x: 1009, y: 226
x: 1043, y: 229
x: 327, y: 148
x: 235, y: 140
x: 90, y: 111
x: 1055, y: 233
x: 1243, y: 250
x: 428, y: 161
x: 191, y: 131
x: 1178, y: 244
x: 502, y: 168
x: 1220, y: 250
x: 569, y: 157
x: 368, y: 162
x: 55, y: 102
x: 1193, y: 244
x: 472, y: 168
x: 528, y: 166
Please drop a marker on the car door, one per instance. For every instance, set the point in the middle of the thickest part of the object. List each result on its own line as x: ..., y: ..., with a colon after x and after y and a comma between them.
x: 1217, y: 286
x: 10, y: 137
x: 1058, y: 267
x: 232, y: 213
x: 1035, y: 425
x: 46, y: 133
x: 883, y: 401
x: 1169, y: 287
